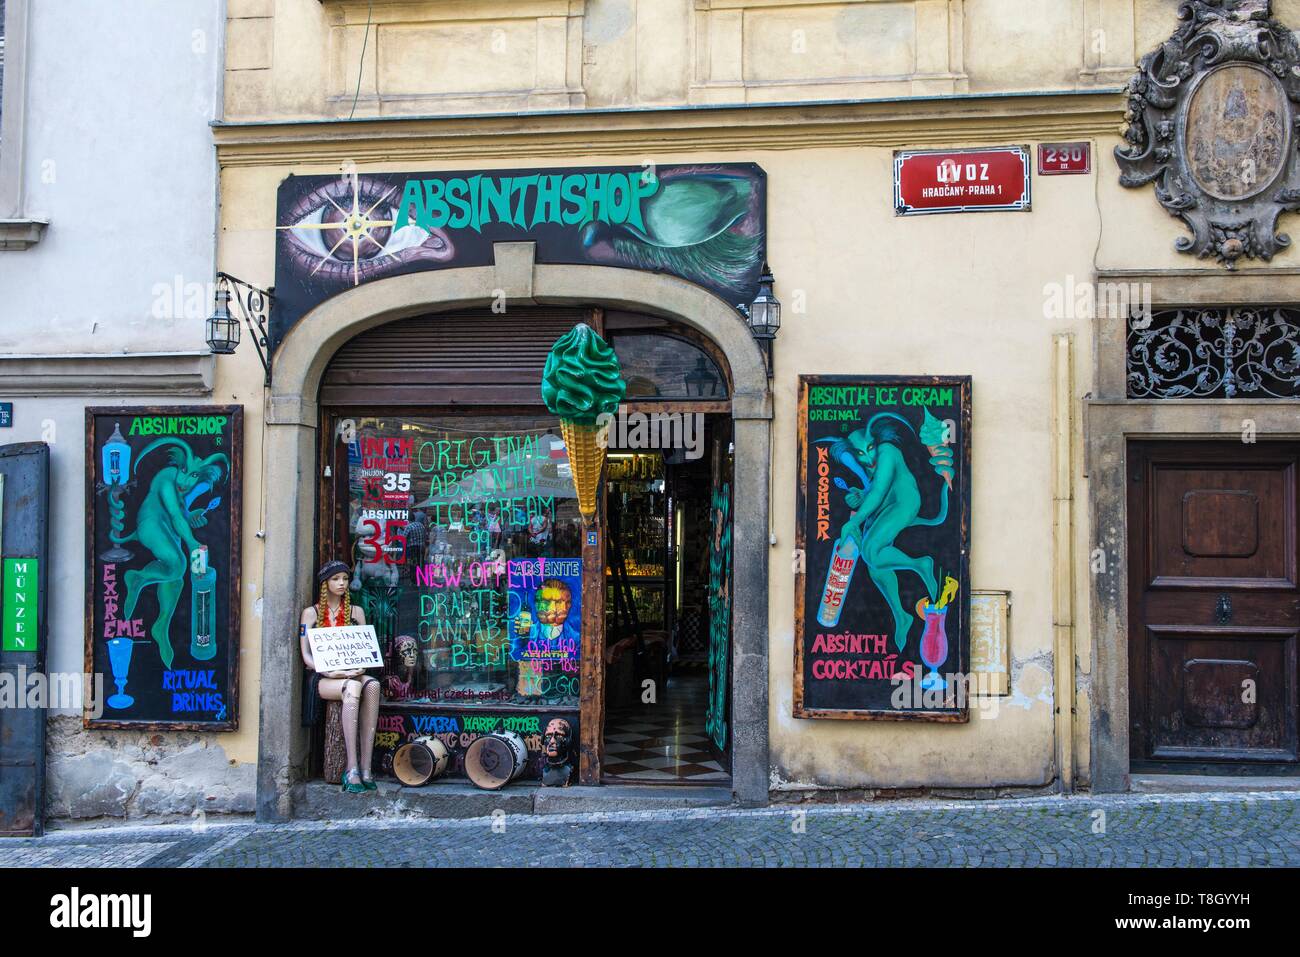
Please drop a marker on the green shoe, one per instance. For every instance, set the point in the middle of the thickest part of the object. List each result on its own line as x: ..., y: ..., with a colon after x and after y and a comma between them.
x: 369, y: 784
x: 348, y: 786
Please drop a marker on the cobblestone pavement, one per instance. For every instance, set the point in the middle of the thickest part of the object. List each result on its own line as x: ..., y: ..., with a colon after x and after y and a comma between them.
x: 1237, y: 829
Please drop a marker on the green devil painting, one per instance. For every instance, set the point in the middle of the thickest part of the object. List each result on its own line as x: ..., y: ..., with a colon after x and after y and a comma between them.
x: 888, y: 503
x: 165, y: 525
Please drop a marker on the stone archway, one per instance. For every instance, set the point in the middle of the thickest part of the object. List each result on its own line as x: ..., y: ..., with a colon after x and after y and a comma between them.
x: 290, y: 460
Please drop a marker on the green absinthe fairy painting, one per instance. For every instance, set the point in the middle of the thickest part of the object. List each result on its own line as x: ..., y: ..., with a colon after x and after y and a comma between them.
x: 884, y: 528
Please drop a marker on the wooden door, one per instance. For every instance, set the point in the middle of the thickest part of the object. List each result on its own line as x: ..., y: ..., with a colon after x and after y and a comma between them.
x: 1214, y: 607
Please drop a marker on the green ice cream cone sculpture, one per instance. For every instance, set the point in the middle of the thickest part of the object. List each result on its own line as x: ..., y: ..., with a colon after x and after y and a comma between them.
x: 583, y: 380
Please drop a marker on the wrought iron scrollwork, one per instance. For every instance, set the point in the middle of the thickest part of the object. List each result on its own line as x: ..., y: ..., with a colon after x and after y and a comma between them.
x: 1215, y: 353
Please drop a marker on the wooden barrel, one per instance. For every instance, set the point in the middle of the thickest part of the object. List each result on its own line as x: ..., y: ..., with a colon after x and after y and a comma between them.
x: 420, y: 761
x: 494, y: 760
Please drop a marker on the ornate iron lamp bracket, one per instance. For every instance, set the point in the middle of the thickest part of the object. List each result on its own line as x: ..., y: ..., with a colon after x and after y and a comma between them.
x: 254, y: 307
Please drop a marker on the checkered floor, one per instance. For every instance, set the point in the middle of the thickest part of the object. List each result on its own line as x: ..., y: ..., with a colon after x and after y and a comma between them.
x: 663, y: 743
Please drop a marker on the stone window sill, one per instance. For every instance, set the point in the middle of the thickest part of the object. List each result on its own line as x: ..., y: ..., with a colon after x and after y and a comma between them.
x: 100, y: 374
x: 21, y: 233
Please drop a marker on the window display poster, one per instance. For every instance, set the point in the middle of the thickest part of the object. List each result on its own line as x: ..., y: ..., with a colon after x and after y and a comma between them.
x: 459, y: 729
x: 464, y: 542
x: 882, y: 624
x: 545, y: 613
x: 162, y: 557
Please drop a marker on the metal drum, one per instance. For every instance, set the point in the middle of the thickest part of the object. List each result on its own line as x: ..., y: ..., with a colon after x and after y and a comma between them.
x: 494, y: 760
x: 420, y: 761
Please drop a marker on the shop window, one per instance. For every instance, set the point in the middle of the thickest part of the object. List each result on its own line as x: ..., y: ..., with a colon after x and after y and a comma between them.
x: 1215, y: 354
x: 465, y: 540
x: 664, y: 366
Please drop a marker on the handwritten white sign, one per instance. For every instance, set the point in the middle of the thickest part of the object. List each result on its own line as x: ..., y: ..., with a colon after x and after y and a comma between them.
x: 339, y: 649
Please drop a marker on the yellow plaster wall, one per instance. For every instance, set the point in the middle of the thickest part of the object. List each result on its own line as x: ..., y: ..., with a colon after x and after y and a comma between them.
x: 304, y: 58
x: 960, y: 294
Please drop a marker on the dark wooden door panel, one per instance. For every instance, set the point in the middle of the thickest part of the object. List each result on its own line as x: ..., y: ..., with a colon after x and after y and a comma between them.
x: 1228, y: 693
x: 1214, y: 607
x: 1212, y: 526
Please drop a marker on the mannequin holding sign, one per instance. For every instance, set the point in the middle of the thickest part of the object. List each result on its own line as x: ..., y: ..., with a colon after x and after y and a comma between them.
x: 358, y: 691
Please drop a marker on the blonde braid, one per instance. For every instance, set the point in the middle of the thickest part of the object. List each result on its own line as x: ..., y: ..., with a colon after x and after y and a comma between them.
x: 323, y: 607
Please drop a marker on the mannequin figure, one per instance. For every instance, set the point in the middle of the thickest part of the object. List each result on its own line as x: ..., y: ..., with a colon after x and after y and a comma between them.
x: 556, y: 745
x: 358, y: 691
x: 401, y: 682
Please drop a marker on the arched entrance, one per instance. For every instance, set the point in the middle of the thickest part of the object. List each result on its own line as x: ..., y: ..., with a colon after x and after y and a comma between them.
x: 292, y: 419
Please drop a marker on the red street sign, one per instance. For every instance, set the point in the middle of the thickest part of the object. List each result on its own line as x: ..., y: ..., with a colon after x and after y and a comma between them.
x: 961, y: 181
x: 1056, y: 159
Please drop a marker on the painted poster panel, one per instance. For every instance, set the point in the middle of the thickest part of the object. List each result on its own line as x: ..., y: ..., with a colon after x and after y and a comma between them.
x: 465, y: 546
x: 162, y: 554
x: 545, y: 612
x: 882, y: 622
x: 702, y: 223
x: 458, y: 730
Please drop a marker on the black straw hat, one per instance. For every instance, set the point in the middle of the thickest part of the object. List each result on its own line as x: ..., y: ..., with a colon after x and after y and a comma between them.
x: 330, y: 569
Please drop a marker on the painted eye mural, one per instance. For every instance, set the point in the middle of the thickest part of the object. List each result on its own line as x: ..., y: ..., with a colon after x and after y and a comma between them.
x: 343, y: 232
x: 704, y: 224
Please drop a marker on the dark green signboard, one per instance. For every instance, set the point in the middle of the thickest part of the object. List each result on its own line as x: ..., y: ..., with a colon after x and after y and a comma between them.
x: 702, y: 223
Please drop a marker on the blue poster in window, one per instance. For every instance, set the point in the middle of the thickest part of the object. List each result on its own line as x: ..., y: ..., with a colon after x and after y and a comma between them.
x: 545, y: 620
